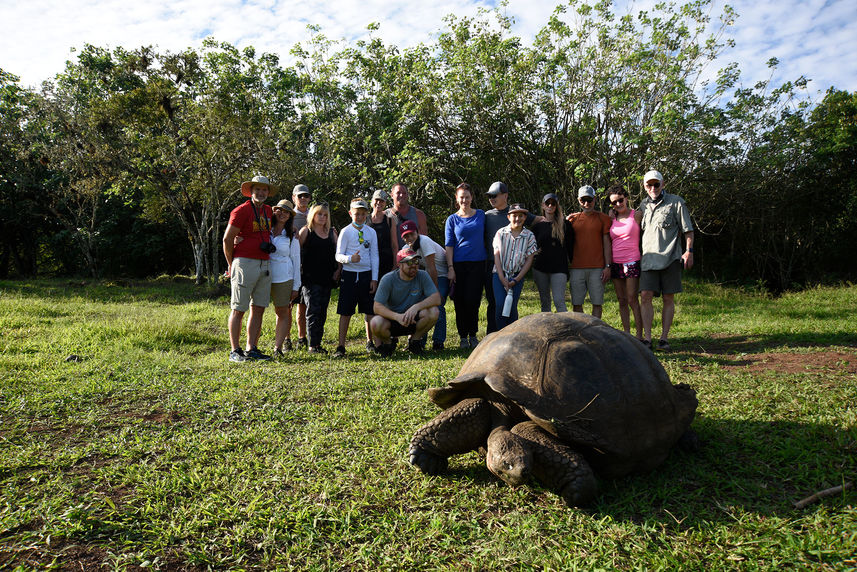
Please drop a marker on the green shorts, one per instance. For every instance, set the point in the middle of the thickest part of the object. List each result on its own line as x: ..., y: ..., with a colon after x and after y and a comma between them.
x: 664, y: 281
x: 281, y: 293
x: 251, y: 283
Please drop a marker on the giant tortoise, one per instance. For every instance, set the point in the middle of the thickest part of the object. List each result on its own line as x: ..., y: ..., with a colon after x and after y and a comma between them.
x: 556, y: 396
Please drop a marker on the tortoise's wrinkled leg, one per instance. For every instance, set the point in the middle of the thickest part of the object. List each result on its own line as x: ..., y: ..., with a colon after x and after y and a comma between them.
x: 557, y: 466
x: 459, y: 429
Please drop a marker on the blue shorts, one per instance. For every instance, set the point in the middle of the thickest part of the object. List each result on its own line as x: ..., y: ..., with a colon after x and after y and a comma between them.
x: 354, y: 293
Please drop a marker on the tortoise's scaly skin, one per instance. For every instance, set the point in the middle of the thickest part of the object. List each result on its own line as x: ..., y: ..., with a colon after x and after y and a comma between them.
x: 597, y: 390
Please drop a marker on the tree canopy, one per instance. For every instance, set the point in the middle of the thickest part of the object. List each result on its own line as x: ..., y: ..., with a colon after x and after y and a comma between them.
x: 136, y: 157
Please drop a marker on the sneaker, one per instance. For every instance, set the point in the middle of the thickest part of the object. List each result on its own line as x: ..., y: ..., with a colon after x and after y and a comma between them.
x: 415, y: 347
x: 340, y: 352
x: 237, y: 356
x: 664, y: 345
x: 437, y: 346
x: 278, y: 354
x: 385, y: 350
x: 370, y: 347
x: 317, y: 350
x: 254, y: 353
x: 302, y: 343
x: 287, y: 345
x: 646, y: 343
x: 464, y: 344
x: 473, y: 342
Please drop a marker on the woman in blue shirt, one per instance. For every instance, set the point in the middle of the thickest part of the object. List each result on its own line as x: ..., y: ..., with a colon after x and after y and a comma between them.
x: 465, y: 255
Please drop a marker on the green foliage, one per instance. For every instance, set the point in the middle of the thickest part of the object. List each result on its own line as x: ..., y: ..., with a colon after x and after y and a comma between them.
x: 600, y: 97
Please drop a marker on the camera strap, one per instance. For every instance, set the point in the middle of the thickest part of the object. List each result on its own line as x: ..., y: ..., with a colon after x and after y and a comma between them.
x: 259, y: 222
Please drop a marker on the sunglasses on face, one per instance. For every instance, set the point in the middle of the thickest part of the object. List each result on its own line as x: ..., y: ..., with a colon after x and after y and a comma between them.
x: 618, y: 201
x: 586, y: 199
x: 412, y: 262
x: 550, y: 204
x: 654, y: 184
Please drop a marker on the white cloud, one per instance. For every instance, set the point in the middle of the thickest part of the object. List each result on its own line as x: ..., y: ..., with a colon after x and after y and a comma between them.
x: 814, y: 38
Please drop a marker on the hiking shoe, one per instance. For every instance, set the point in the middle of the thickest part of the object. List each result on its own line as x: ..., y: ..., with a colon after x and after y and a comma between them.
x: 437, y: 346
x: 317, y: 350
x: 385, y: 350
x: 278, y: 354
x: 237, y: 356
x: 415, y: 347
x: 646, y: 343
x: 255, y: 354
x: 473, y: 342
x: 370, y: 347
x: 340, y: 352
x: 302, y: 343
x: 464, y: 344
x: 287, y: 345
x: 664, y: 346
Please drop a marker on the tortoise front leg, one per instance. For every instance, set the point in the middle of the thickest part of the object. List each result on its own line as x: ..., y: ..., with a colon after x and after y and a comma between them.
x: 557, y: 466
x: 461, y: 428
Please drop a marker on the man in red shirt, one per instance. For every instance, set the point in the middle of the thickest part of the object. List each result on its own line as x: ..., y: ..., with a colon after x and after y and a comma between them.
x: 590, y: 264
x: 249, y: 270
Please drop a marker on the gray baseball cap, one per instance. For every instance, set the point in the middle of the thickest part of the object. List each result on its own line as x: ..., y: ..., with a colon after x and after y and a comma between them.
x: 585, y: 191
x: 301, y: 190
x: 497, y: 188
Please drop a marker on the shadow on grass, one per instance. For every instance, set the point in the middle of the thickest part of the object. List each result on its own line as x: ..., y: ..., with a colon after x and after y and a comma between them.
x: 167, y: 290
x: 742, y: 467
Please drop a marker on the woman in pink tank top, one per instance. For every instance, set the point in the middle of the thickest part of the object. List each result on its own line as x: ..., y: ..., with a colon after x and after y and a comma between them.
x: 625, y: 269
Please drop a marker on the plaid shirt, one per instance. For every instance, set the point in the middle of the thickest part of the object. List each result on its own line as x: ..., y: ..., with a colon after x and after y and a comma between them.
x: 514, y: 250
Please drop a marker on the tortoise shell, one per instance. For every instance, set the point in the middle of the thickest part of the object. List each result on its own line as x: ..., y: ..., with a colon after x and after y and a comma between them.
x: 598, y: 389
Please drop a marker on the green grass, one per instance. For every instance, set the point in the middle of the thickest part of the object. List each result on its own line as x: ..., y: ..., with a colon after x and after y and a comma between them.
x: 154, y: 451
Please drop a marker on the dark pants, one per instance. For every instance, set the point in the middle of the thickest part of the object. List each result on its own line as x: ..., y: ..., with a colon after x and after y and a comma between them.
x: 469, y: 280
x: 317, y: 298
x: 491, y: 314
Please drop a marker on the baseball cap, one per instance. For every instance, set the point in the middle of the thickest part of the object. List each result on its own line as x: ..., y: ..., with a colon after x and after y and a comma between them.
x: 518, y: 208
x: 358, y: 204
x: 406, y: 254
x: 550, y: 196
x: 497, y: 188
x: 380, y: 194
x: 407, y: 226
x: 653, y: 175
x: 585, y: 191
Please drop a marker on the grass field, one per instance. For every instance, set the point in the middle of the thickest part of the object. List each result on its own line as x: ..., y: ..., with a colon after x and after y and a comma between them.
x: 153, y: 451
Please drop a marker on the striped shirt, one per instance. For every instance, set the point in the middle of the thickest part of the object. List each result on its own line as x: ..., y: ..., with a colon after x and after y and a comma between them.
x: 514, y: 250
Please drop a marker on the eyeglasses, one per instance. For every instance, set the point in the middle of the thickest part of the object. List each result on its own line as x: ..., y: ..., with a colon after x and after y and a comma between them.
x: 586, y: 199
x: 654, y: 184
x: 618, y: 201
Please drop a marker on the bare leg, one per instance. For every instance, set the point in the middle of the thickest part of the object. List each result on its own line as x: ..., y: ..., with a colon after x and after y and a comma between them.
x: 596, y: 310
x: 381, y: 329
x: 283, y: 325
x: 647, y: 312
x: 622, y: 296
x: 631, y: 285
x: 667, y: 314
x: 343, y: 328
x: 428, y: 319
x: 557, y: 466
x: 254, y: 325
x: 578, y: 308
x: 367, y: 319
x: 234, y: 325
x: 461, y: 428
x: 301, y: 320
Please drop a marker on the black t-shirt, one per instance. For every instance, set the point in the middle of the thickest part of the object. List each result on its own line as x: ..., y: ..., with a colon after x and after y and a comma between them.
x: 552, y: 256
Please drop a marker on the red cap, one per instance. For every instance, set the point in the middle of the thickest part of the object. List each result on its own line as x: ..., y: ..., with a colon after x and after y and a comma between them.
x: 407, y: 226
x: 406, y: 253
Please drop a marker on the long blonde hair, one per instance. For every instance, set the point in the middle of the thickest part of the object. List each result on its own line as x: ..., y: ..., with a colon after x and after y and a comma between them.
x: 313, y: 212
x: 558, y: 223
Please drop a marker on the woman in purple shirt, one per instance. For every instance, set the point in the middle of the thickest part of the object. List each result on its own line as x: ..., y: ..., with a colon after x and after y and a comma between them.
x: 465, y: 255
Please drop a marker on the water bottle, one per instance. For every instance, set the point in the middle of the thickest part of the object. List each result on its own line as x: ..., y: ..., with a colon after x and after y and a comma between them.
x: 507, y: 304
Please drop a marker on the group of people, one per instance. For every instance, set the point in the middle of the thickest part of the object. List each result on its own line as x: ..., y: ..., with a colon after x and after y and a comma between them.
x: 392, y: 272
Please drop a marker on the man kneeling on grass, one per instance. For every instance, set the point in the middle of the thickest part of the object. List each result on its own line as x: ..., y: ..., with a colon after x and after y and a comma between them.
x: 406, y: 303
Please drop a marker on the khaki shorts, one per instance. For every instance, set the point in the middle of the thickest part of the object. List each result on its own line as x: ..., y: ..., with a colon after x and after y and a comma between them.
x: 664, y: 281
x: 251, y: 283
x: 583, y: 280
x: 281, y: 293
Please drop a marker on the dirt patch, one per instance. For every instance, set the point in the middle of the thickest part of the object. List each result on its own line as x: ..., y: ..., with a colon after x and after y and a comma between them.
x: 815, y: 362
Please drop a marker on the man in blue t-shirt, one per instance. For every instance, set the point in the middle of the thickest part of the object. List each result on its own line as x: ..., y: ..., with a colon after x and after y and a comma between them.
x: 406, y: 303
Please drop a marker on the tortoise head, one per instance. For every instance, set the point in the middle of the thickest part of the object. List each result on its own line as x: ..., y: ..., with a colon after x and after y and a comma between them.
x: 509, y: 457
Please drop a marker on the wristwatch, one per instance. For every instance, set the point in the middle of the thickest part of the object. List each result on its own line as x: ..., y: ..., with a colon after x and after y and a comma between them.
x: 690, y: 250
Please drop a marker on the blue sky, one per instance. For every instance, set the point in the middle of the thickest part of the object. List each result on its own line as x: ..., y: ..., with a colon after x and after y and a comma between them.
x: 813, y: 38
